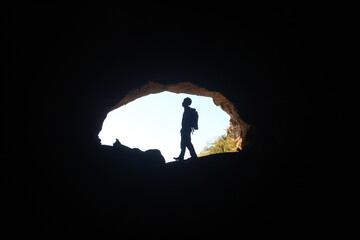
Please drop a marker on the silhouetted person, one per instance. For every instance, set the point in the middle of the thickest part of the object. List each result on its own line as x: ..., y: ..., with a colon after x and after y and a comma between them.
x: 189, y: 124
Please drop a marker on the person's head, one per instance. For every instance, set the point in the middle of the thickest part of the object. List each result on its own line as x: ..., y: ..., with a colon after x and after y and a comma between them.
x: 186, y: 102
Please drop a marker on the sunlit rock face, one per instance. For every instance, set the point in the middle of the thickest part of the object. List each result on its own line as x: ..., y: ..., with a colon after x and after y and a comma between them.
x: 237, y: 125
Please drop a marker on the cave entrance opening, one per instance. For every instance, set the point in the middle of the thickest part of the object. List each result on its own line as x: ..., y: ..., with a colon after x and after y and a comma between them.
x: 150, y: 117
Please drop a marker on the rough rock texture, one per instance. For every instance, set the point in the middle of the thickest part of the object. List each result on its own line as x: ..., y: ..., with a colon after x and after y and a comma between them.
x: 237, y: 125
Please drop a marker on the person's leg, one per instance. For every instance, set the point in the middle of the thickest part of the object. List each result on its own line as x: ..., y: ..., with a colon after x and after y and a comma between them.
x: 188, y: 144
x: 182, y: 146
x: 191, y: 149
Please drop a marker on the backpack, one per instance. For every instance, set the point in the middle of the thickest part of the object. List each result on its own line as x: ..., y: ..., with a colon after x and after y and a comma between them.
x: 194, y: 119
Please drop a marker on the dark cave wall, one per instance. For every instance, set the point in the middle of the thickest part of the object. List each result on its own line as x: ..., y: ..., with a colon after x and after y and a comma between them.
x: 272, y: 62
x: 270, y: 101
x: 269, y: 91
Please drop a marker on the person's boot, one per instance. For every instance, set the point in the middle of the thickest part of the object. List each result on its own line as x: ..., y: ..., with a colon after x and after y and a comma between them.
x: 179, y: 158
x: 192, y: 152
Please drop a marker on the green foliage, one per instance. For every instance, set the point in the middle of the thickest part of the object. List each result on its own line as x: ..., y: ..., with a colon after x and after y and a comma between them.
x: 222, y: 144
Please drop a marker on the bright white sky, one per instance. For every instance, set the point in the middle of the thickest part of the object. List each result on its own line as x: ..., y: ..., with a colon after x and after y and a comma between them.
x: 154, y: 122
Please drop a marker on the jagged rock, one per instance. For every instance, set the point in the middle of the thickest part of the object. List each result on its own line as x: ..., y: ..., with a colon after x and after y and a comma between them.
x: 117, y: 143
